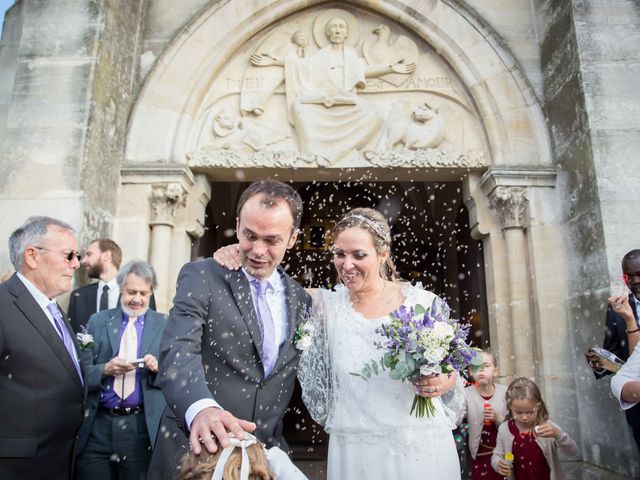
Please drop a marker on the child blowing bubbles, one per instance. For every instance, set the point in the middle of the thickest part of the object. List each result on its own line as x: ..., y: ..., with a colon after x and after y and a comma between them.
x: 485, y: 408
x: 528, y: 433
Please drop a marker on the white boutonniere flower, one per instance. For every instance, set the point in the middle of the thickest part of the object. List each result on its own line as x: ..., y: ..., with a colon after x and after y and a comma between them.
x: 85, y: 339
x: 304, y: 335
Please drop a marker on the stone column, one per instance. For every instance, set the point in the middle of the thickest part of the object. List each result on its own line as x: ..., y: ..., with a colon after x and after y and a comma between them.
x: 165, y: 201
x: 512, y: 203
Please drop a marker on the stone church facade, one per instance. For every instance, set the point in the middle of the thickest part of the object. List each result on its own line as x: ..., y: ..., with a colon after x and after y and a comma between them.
x: 125, y: 117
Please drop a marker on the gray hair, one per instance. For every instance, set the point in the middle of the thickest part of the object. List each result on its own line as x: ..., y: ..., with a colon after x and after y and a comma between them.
x: 31, y: 232
x: 140, y: 268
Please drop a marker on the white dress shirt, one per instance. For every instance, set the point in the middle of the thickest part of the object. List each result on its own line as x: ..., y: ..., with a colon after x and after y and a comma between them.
x: 630, y: 372
x: 114, y: 293
x: 42, y: 300
x: 277, y: 301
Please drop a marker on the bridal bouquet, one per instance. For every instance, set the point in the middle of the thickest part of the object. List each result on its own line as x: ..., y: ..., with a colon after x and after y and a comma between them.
x: 419, y: 341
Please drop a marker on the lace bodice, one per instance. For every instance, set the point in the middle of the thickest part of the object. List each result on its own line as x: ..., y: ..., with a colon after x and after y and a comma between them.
x: 369, y: 410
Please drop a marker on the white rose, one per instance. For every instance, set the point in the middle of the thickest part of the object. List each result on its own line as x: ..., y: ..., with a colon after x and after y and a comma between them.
x: 435, y: 354
x: 303, y: 343
x: 308, y: 327
x: 443, y: 331
x: 427, y: 370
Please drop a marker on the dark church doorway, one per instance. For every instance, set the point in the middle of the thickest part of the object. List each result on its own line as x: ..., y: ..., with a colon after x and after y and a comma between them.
x: 432, y: 244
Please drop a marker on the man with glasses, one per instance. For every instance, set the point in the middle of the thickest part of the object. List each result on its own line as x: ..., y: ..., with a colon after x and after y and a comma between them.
x: 102, y: 261
x: 41, y: 380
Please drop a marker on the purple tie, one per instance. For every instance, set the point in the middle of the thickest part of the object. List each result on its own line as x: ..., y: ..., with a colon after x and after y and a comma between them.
x: 268, y: 330
x: 64, y: 335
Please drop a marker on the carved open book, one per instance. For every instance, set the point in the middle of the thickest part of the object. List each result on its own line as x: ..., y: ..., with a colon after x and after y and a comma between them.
x: 328, y: 100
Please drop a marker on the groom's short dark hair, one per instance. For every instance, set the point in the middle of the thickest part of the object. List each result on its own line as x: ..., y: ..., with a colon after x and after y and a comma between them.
x: 272, y: 191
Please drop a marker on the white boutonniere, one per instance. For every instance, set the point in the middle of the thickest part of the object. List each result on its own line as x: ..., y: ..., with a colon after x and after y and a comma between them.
x: 85, y: 339
x: 304, y: 335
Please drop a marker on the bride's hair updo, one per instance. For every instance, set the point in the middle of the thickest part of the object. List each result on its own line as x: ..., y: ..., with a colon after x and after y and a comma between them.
x: 373, y: 222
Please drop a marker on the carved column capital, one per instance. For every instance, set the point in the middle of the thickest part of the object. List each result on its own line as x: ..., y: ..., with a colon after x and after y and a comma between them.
x: 165, y: 200
x: 512, y: 205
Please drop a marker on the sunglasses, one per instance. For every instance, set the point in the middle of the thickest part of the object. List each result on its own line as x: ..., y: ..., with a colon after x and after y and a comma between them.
x: 69, y: 256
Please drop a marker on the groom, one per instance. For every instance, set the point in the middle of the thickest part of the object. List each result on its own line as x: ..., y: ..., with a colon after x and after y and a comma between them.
x: 227, y: 360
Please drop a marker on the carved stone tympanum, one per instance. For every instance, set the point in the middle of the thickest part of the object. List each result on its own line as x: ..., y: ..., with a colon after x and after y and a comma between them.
x: 336, y: 85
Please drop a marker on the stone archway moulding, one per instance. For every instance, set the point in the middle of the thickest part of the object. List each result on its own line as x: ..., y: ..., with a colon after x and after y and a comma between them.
x: 163, y: 121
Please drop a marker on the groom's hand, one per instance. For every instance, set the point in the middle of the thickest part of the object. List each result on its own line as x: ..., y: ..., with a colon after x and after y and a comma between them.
x: 228, y: 256
x: 211, y: 423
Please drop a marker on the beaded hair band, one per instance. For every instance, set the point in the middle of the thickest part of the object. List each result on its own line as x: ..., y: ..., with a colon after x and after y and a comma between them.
x: 373, y: 224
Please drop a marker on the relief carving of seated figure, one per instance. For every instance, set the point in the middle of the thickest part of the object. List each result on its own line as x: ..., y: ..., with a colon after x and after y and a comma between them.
x: 328, y: 116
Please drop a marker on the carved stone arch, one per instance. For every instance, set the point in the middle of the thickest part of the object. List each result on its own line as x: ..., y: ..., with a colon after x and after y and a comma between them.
x: 516, y: 136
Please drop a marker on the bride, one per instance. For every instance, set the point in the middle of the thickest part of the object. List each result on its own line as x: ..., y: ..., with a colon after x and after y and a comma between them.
x: 372, y: 433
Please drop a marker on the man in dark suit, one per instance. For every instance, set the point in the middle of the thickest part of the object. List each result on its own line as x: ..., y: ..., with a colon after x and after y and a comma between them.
x: 102, y: 261
x: 122, y: 418
x: 227, y: 359
x: 622, y: 329
x: 41, y: 381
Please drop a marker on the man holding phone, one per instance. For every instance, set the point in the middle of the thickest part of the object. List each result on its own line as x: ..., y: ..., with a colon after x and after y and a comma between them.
x: 622, y: 329
x: 124, y: 406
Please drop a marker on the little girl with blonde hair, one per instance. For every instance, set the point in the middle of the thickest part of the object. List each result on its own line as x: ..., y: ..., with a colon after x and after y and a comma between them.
x: 244, y: 459
x: 530, y: 437
x: 485, y: 408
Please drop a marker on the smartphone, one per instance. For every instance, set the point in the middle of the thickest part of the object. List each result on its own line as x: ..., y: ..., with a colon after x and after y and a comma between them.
x: 138, y: 362
x: 609, y: 360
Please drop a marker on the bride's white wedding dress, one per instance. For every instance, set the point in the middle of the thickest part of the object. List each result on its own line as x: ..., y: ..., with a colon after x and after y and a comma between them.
x: 372, y: 434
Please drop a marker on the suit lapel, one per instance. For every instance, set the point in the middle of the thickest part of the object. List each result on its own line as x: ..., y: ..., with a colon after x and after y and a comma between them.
x: 293, y: 307
x: 90, y: 300
x: 149, y: 333
x: 114, y: 322
x: 293, y: 320
x: 632, y: 303
x: 34, y: 314
x: 242, y: 294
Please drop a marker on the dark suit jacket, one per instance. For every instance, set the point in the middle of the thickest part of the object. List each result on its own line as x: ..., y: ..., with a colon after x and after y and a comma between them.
x: 41, y: 393
x: 211, y: 348
x: 82, y: 304
x: 617, y: 341
x: 105, y: 328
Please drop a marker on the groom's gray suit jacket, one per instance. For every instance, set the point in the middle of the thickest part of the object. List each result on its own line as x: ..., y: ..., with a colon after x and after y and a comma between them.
x: 211, y: 347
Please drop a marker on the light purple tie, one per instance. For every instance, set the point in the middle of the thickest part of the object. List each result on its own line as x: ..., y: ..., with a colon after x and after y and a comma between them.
x: 64, y: 334
x: 268, y: 330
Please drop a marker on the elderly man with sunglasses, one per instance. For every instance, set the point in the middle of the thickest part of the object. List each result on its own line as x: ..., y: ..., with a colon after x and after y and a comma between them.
x: 41, y: 380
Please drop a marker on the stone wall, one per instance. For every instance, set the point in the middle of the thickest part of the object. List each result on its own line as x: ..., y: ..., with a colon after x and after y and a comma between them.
x: 583, y: 56
x: 112, y: 87
x: 67, y: 74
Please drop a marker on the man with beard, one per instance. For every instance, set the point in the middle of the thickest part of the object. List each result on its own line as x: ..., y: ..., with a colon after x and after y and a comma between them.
x: 123, y: 406
x: 102, y: 261
x: 622, y: 329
